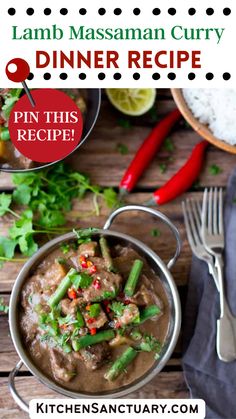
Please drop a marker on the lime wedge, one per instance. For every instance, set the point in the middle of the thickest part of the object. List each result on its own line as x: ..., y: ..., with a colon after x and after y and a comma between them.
x: 132, y: 102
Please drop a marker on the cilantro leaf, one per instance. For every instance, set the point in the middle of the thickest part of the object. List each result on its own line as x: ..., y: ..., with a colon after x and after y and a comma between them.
x: 84, y: 235
x: 168, y: 145
x: 3, y: 307
x: 122, y: 149
x: 150, y: 344
x: 7, y: 247
x: 94, y: 310
x: 22, y: 194
x: 117, y: 308
x: 215, y: 170
x: 110, y: 197
x: 81, y: 280
x: 10, y: 100
x: 162, y: 167
x: 155, y: 232
x: 5, y: 202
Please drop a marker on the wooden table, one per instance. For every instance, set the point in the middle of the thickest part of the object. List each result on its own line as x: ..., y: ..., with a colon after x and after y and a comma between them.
x: 99, y: 157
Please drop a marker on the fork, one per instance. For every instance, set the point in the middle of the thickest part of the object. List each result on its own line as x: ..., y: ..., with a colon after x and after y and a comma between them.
x: 213, y: 239
x: 192, y: 217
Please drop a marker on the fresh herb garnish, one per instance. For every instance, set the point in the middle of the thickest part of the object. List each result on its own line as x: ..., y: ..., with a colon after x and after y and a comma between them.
x: 155, y: 232
x: 48, y: 195
x: 94, y: 310
x: 122, y: 149
x: 162, y: 167
x: 61, y: 261
x: 110, y: 198
x: 169, y: 145
x: 84, y: 235
x: 81, y: 280
x: 117, y: 308
x: 10, y: 100
x: 65, y: 248
x: 124, y: 123
x: 3, y: 307
x: 150, y: 344
x: 215, y: 170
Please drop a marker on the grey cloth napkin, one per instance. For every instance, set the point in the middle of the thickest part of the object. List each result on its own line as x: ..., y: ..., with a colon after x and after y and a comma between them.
x: 207, y: 377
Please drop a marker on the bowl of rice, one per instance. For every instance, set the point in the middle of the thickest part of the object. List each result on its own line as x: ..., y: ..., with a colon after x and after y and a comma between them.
x: 211, y: 113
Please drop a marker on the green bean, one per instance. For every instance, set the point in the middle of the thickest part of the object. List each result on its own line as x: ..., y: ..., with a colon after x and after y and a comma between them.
x: 132, y: 280
x: 4, y: 134
x: 79, y: 318
x: 148, y: 313
x: 83, y: 341
x: 61, y: 289
x: 120, y: 364
x: 106, y: 254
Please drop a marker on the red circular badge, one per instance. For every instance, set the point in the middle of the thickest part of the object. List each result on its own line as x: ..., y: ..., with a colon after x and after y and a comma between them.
x: 50, y: 130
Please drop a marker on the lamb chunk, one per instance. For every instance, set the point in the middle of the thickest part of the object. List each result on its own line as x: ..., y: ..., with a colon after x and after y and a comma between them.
x: 98, y: 322
x: 54, y: 274
x: 69, y: 307
x: 63, y: 367
x: 109, y: 287
x: 143, y: 297
x: 88, y: 249
x: 96, y: 355
x: 129, y: 315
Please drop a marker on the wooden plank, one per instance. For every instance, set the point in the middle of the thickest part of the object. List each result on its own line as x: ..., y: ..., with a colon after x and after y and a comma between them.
x: 102, y: 147
x: 165, y: 385
x: 164, y: 245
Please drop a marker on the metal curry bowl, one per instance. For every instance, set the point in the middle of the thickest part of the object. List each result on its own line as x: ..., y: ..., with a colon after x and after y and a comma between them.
x: 159, y: 267
x: 93, y: 102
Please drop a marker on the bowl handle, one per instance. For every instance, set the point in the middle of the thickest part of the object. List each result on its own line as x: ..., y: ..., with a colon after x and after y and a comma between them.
x: 157, y: 214
x: 11, y: 383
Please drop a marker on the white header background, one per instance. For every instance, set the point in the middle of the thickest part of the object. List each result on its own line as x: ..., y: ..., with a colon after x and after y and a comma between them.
x: 215, y: 58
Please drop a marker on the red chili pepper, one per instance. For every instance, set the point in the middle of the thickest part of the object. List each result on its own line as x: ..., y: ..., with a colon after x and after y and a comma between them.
x: 93, y: 269
x: 72, y: 294
x: 93, y: 331
x: 147, y: 151
x: 97, y: 284
x: 91, y: 320
x: 117, y: 325
x: 184, y: 178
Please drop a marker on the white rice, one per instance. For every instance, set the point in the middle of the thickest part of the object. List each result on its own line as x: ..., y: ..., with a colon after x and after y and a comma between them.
x: 216, y: 108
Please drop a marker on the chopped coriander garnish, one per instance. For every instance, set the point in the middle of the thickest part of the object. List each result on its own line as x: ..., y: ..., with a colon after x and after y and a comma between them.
x: 155, y: 232
x: 162, y: 167
x: 150, y: 344
x: 94, y: 310
x: 122, y: 149
x: 82, y: 280
x: 3, y: 307
x: 215, y: 170
x: 84, y: 235
x: 117, y: 308
x: 65, y: 248
x: 124, y: 123
x: 61, y: 261
x: 168, y: 145
x: 110, y: 197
